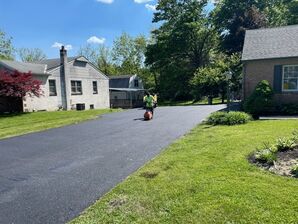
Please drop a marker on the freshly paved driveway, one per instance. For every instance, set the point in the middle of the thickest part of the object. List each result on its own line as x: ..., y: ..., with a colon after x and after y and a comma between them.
x: 51, y: 176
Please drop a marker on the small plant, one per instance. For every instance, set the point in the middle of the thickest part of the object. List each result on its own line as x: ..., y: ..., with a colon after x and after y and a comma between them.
x: 295, y: 136
x: 284, y: 144
x: 294, y: 170
x: 230, y: 118
x: 265, y: 156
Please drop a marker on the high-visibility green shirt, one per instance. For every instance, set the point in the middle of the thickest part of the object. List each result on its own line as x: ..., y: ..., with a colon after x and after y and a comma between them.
x: 149, y: 100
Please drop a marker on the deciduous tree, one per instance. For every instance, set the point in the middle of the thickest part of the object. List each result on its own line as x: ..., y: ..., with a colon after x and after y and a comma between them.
x: 6, y: 48
x: 18, y: 84
x: 181, y: 45
x: 31, y: 54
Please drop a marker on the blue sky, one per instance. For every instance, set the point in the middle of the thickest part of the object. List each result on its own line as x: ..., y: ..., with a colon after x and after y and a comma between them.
x: 42, y: 23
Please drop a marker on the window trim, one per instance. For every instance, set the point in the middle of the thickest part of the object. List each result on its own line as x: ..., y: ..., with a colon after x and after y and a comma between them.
x: 50, y: 93
x: 94, y: 92
x: 76, y: 93
x: 283, y: 79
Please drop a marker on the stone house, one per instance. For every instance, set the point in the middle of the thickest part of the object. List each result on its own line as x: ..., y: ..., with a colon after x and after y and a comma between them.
x: 272, y: 54
x: 126, y: 91
x: 67, y: 83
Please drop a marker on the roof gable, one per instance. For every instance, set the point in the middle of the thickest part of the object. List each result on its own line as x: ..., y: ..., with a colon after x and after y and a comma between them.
x: 280, y: 42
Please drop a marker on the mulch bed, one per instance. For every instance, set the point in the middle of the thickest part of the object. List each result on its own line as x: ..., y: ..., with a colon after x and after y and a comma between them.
x: 283, y: 165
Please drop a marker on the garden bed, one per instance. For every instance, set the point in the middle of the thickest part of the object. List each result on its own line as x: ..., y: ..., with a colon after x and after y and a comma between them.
x: 280, y: 158
x: 283, y: 165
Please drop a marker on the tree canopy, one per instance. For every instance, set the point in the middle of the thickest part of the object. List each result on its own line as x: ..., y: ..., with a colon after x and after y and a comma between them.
x: 31, y: 54
x: 18, y: 84
x: 6, y: 48
x: 182, y: 43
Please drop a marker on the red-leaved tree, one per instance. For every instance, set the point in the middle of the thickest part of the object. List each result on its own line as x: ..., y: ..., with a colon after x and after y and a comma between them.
x: 17, y: 84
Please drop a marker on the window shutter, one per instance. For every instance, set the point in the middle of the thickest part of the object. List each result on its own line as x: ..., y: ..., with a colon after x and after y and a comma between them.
x: 277, y: 81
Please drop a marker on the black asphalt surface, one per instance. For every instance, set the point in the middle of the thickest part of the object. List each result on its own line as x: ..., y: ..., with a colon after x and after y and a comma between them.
x: 52, y: 176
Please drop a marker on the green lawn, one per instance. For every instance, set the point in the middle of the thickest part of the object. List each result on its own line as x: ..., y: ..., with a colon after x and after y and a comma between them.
x: 13, y: 125
x: 188, y: 103
x: 205, y: 178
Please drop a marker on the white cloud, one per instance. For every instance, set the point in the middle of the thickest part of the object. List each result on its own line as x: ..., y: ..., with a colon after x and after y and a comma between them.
x: 68, y: 47
x: 59, y: 45
x: 151, y: 7
x: 142, y: 1
x: 96, y: 40
x: 106, y: 1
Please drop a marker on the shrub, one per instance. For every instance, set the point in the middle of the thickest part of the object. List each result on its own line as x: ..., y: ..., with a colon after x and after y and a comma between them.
x: 288, y: 109
x: 230, y: 118
x: 265, y: 156
x: 284, y: 144
x: 261, y: 100
x: 294, y: 170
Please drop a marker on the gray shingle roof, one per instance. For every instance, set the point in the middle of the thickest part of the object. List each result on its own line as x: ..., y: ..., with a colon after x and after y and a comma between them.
x: 121, y: 81
x: 24, y: 67
x: 53, y: 63
x: 280, y: 42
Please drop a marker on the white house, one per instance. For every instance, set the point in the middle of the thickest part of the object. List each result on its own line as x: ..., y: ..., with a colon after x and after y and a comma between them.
x: 126, y: 91
x: 67, y: 83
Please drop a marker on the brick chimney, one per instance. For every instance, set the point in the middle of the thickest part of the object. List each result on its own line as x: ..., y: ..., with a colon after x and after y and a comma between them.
x: 64, y: 79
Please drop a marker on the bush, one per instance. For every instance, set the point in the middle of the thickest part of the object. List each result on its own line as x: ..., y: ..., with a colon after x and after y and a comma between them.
x: 230, y: 118
x: 265, y: 156
x: 261, y: 100
x: 284, y: 144
x: 288, y: 109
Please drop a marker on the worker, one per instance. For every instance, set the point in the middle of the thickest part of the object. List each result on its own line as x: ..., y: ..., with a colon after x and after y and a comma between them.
x: 149, y: 102
x: 155, y: 100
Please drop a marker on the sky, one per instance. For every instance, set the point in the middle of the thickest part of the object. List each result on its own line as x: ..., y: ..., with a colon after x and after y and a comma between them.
x: 46, y: 24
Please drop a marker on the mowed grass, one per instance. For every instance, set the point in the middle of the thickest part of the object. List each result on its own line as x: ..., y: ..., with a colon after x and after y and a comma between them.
x: 205, y: 178
x: 13, y: 125
x: 189, y: 102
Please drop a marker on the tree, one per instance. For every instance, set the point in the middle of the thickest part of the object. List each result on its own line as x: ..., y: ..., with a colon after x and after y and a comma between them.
x: 90, y: 53
x: 211, y: 81
x: 31, y: 55
x: 233, y: 32
x: 128, y: 53
x: 18, y: 84
x: 182, y: 44
x: 293, y: 12
x: 100, y: 57
x: 232, y: 18
x: 6, y: 48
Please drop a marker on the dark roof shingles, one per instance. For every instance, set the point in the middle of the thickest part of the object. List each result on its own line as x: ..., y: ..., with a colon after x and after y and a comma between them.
x: 119, y: 81
x: 53, y: 63
x: 280, y: 42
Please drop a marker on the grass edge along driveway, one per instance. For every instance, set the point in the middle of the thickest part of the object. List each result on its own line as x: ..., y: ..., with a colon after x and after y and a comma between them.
x: 204, y: 177
x: 24, y: 123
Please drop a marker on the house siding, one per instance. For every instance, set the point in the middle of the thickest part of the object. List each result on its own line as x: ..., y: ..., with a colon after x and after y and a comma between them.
x: 258, y: 70
x: 86, y: 74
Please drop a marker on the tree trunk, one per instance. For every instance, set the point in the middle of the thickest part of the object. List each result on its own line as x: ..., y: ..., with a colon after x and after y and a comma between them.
x: 210, y: 99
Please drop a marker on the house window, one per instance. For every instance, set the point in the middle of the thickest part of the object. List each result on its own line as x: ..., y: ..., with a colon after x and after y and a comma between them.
x: 52, y: 88
x: 136, y: 83
x: 290, y: 78
x: 95, y: 90
x: 76, y: 88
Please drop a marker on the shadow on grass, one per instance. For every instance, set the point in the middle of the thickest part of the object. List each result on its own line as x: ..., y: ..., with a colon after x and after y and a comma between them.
x: 7, y: 115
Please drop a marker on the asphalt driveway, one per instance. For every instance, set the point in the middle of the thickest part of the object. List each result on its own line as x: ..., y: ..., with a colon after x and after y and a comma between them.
x: 52, y: 176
